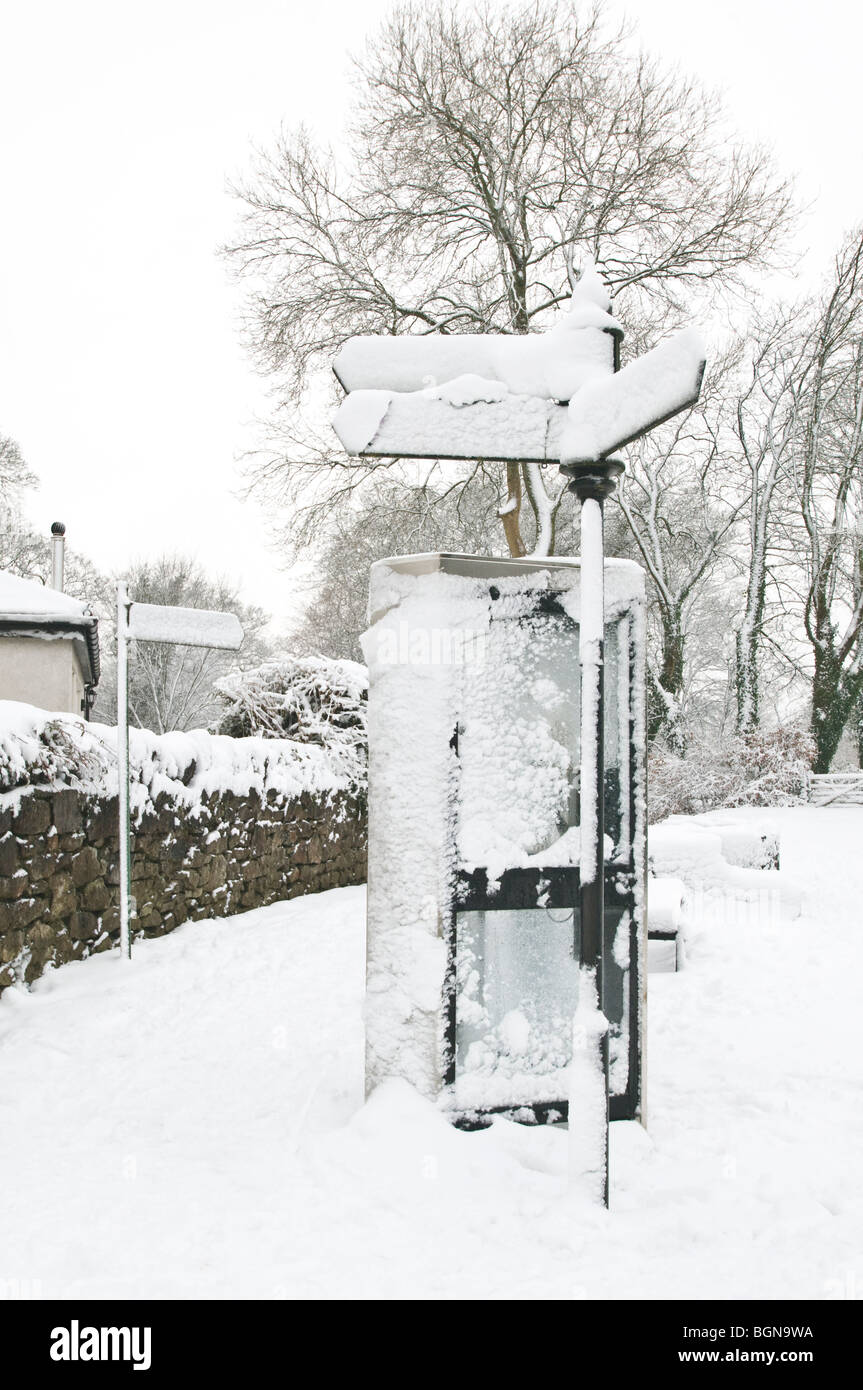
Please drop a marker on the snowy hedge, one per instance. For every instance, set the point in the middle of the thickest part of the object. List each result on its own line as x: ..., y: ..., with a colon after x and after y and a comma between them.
x: 759, y: 769
x: 312, y: 699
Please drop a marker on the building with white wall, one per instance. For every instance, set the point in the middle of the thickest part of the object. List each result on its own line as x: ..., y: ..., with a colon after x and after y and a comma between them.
x: 49, y: 647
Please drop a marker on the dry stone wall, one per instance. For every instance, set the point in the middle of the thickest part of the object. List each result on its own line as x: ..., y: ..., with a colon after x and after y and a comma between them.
x: 59, y: 876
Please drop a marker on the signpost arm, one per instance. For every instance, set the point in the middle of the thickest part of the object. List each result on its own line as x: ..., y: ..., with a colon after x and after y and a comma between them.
x: 125, y: 856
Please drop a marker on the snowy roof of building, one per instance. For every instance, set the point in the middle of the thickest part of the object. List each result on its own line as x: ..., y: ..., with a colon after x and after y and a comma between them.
x: 28, y: 607
x: 28, y: 596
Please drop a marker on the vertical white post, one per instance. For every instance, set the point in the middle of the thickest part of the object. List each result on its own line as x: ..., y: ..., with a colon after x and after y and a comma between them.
x: 123, y: 768
x: 591, y: 634
x: 592, y: 481
x: 588, y: 1101
x: 588, y: 1092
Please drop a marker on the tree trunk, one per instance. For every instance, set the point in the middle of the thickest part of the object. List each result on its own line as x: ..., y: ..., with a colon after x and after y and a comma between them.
x: 665, y: 690
x: 836, y: 699
x: 746, y: 678
x: 748, y: 637
x: 510, y: 512
x: 656, y: 707
x: 541, y: 506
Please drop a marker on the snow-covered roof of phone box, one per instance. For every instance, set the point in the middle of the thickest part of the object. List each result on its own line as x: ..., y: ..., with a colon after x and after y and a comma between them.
x: 467, y: 577
x: 31, y: 609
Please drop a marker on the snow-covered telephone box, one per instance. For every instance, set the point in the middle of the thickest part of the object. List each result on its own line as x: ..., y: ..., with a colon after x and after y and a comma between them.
x: 505, y: 927
x: 474, y: 923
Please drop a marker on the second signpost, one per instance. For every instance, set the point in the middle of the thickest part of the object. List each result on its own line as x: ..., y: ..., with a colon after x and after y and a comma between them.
x: 150, y: 622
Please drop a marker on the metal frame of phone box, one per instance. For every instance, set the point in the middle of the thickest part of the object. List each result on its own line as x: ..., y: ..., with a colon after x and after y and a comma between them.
x: 558, y: 887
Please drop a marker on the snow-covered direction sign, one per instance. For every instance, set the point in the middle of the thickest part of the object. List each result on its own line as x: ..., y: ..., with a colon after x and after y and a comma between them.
x: 556, y: 396
x: 188, y: 627
x: 606, y: 415
x: 473, y: 395
x: 151, y: 622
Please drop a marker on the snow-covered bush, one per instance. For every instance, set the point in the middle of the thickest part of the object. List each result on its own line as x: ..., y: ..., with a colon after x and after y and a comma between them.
x: 312, y: 699
x: 40, y: 750
x: 757, y: 769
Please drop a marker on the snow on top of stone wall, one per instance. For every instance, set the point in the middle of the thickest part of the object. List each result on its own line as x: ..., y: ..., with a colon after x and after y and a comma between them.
x: 38, y: 748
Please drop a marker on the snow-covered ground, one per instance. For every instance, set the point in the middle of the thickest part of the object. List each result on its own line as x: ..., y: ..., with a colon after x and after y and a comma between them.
x: 192, y: 1124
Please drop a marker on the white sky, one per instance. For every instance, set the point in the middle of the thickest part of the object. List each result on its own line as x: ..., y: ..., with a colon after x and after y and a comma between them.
x: 121, y: 373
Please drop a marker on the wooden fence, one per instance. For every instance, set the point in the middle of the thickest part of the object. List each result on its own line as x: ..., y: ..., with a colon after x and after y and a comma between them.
x: 836, y: 789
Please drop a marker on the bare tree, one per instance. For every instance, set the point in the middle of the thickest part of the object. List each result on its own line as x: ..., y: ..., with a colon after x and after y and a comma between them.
x: 19, y: 545
x: 15, y: 476
x: 826, y: 391
x: 22, y: 550
x: 764, y: 425
x: 392, y: 520
x: 792, y: 451
x: 681, y: 497
x: 25, y: 551
x: 490, y: 149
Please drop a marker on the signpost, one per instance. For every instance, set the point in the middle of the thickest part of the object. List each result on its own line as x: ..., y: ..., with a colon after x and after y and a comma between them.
x: 558, y: 396
x: 149, y: 622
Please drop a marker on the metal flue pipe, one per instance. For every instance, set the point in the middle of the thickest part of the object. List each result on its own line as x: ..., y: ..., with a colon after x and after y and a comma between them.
x: 58, y: 549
